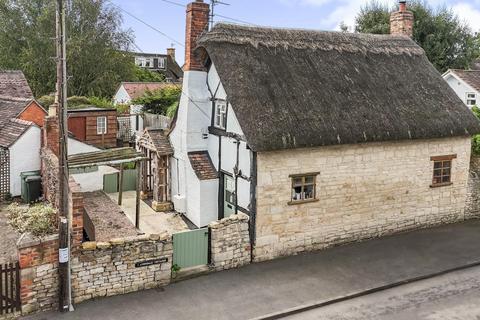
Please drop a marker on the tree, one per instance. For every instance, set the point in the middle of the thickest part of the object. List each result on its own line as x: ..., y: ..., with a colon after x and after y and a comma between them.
x: 97, y: 47
x: 448, y: 42
x: 145, y: 75
x: 163, y: 101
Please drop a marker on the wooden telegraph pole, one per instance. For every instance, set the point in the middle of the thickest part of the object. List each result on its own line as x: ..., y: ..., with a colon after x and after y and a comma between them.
x: 64, y: 225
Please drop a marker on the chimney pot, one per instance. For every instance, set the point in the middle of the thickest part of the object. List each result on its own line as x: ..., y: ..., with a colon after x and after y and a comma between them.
x: 401, y: 22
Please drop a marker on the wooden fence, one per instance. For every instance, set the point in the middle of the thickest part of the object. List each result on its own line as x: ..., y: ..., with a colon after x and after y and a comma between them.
x: 9, y: 288
x: 156, y: 121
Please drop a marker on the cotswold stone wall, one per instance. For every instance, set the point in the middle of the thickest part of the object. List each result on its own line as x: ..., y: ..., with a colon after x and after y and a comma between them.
x: 38, y: 260
x: 472, y: 209
x: 121, y: 266
x: 230, y: 242
x: 363, y: 191
x: 50, y: 176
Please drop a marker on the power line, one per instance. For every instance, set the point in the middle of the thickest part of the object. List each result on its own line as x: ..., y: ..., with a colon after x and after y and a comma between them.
x: 146, y: 23
x: 174, y: 3
x: 233, y: 19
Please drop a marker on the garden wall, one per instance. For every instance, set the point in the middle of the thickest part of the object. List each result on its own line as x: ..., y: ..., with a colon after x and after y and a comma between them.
x: 101, y: 269
x: 472, y: 207
x: 230, y: 242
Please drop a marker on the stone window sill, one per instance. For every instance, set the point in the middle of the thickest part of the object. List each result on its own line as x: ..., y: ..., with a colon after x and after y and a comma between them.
x: 438, y: 185
x: 297, y: 202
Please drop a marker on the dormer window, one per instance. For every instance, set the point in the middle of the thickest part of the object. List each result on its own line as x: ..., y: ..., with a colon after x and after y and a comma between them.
x: 161, y: 63
x: 220, y: 114
x: 471, y: 99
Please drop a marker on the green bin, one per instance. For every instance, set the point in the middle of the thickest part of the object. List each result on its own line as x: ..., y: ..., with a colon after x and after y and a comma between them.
x: 31, y: 186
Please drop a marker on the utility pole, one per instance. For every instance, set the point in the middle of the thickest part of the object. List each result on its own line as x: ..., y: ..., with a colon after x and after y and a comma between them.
x: 213, y: 3
x: 65, y: 297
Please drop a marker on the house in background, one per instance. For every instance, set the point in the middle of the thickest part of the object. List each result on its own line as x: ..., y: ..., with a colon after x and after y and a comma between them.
x: 94, y: 126
x: 253, y: 134
x: 20, y: 134
x: 139, y: 120
x: 161, y: 63
x: 466, y: 84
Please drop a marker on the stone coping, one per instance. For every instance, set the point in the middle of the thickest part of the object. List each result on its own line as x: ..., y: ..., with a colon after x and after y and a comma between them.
x: 229, y: 220
x: 94, y: 245
x: 29, y: 240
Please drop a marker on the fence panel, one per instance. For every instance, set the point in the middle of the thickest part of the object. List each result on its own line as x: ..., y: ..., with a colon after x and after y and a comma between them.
x: 156, y: 121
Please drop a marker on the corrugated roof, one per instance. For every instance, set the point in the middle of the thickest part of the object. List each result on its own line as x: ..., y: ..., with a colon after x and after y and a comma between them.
x: 299, y: 88
x: 14, y: 84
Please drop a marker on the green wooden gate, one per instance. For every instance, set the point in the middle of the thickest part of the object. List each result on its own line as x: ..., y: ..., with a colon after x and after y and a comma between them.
x: 110, y: 181
x: 190, y: 248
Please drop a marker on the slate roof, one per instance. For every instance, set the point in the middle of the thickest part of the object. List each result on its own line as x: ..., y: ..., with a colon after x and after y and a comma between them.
x: 137, y: 89
x: 294, y: 88
x: 202, y: 165
x: 11, y: 130
x: 13, y: 84
x: 471, y: 77
x: 157, y: 140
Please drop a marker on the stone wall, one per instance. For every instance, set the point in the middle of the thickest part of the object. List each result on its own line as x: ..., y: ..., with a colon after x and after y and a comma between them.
x: 472, y: 209
x: 38, y: 260
x: 363, y: 191
x: 49, y: 170
x: 101, y: 269
x: 230, y: 242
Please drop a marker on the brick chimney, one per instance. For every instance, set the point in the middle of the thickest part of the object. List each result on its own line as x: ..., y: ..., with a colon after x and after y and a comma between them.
x: 171, y: 53
x: 197, y: 22
x: 401, y: 22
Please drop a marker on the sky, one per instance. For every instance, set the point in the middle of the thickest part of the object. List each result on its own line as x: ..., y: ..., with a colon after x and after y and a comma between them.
x: 309, y: 14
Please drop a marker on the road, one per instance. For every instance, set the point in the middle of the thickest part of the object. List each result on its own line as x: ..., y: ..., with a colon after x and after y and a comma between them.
x: 454, y: 296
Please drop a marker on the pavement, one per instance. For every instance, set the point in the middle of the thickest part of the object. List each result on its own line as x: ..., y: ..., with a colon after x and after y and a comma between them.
x: 453, y: 296
x: 150, y: 220
x: 9, y: 237
x: 300, y: 281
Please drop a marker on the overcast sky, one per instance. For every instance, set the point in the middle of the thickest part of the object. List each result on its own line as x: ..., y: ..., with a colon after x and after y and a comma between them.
x: 310, y: 14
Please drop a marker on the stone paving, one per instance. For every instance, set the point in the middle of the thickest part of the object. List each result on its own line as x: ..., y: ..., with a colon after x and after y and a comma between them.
x: 8, y: 238
x: 150, y: 220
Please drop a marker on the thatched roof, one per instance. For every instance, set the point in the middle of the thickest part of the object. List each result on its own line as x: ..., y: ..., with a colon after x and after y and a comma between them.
x: 298, y: 88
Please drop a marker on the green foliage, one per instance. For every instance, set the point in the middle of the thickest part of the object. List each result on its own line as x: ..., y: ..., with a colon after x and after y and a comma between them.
x: 163, y: 101
x: 38, y: 219
x: 476, y: 138
x: 96, y: 49
x: 145, y: 75
x: 76, y: 102
x: 448, y: 42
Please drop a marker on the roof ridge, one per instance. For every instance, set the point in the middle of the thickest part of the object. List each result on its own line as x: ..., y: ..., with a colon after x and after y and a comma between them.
x: 11, y: 98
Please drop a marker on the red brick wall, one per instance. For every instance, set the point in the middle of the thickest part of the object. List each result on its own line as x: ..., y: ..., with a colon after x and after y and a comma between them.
x: 75, y: 203
x: 401, y: 22
x: 35, y: 113
x: 197, y: 23
x: 50, y: 135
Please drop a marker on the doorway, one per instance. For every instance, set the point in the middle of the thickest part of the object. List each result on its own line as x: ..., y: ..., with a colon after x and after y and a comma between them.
x: 229, y: 196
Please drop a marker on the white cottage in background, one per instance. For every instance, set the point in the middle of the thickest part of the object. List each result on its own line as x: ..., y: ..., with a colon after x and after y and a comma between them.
x: 265, y: 127
x: 466, y: 84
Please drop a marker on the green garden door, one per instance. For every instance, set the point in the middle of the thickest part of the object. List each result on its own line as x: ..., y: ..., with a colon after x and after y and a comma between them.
x: 190, y: 248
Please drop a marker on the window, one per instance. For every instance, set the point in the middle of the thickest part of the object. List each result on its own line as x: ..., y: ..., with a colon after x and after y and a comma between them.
x: 442, y: 170
x: 148, y: 63
x: 101, y: 125
x: 161, y: 63
x: 140, y: 62
x: 471, y: 99
x: 304, y: 188
x: 220, y: 114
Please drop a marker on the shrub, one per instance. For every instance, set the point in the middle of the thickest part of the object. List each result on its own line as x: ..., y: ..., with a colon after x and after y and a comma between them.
x: 476, y: 138
x: 38, y: 219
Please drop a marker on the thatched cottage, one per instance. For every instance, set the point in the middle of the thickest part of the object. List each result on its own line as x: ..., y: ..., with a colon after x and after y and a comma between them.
x: 320, y: 137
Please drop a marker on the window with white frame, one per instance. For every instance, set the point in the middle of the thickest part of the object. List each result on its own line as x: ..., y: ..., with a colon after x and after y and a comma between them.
x: 140, y: 62
x: 220, y: 114
x: 161, y: 63
x: 471, y: 99
x: 101, y: 125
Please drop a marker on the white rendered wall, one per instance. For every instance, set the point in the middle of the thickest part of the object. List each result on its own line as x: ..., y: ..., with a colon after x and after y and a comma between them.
x: 76, y: 147
x: 121, y: 97
x: 24, y: 156
x: 460, y: 87
x: 134, y: 111
x: 193, y: 120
